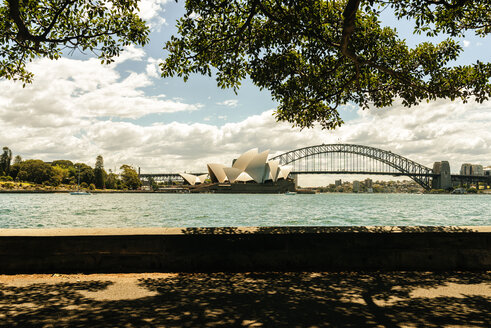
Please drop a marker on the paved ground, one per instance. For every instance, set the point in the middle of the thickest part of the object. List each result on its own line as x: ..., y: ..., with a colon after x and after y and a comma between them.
x: 309, y: 299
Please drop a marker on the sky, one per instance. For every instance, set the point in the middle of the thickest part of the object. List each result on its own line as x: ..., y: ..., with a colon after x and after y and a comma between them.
x: 77, y: 109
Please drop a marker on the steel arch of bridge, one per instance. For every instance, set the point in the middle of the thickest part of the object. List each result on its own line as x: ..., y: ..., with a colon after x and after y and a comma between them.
x: 398, y: 164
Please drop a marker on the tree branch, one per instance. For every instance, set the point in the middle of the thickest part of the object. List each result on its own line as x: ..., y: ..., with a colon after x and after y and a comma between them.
x: 348, y: 28
x: 14, y: 13
x: 349, y: 15
x: 55, y: 18
x: 25, y: 35
x: 249, y: 18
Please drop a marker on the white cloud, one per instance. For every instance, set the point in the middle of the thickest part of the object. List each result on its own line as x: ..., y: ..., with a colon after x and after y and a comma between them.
x: 152, y: 68
x: 129, y: 53
x: 67, y: 90
x: 438, y: 131
x: 466, y: 43
x: 229, y: 103
x: 415, y: 133
x: 152, y: 11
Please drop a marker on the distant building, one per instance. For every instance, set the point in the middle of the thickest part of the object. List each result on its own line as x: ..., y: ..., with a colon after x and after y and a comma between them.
x: 487, y: 170
x: 338, y: 182
x: 368, y: 183
x: 477, y: 170
x: 471, y: 169
x: 465, y: 169
x: 356, y: 186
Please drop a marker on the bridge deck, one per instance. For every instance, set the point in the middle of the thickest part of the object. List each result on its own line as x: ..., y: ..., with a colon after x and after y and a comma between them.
x: 363, y: 173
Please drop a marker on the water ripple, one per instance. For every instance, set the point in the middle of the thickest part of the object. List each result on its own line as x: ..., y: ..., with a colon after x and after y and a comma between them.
x: 214, y: 210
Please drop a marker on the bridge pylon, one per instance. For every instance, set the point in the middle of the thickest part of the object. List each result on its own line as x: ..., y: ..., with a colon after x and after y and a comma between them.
x: 443, y: 178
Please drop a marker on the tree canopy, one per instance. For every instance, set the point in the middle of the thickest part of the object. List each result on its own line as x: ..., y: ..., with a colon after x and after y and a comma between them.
x: 99, y: 173
x: 67, y: 173
x: 36, y: 171
x: 85, y: 171
x: 46, y: 28
x: 312, y: 55
x: 129, y: 177
x: 5, y: 160
x: 315, y: 55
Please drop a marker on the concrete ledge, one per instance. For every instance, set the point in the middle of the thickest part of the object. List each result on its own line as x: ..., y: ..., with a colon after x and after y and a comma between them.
x: 244, y: 249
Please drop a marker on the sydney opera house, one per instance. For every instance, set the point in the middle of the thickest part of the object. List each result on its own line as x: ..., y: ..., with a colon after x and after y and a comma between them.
x: 251, y: 172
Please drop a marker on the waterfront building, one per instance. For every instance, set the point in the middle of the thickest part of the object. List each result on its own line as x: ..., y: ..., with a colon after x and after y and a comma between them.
x: 471, y: 169
x: 356, y: 186
x: 338, y: 182
x: 465, y: 169
x: 477, y: 170
x: 250, y: 167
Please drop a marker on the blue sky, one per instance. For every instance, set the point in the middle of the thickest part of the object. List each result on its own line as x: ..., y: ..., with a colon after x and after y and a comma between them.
x: 77, y: 108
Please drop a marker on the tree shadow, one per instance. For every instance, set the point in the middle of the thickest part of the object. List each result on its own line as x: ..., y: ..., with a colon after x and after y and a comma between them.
x: 300, y: 299
x: 323, y: 229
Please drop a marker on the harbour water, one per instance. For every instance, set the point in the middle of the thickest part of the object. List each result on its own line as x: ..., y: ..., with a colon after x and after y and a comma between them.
x: 219, y: 210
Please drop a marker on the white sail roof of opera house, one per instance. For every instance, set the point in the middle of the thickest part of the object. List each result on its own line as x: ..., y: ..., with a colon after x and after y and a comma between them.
x: 243, y: 161
x: 243, y: 177
x: 257, y: 167
x: 193, y: 179
x: 250, y: 166
x: 232, y: 173
x: 217, y: 172
x: 274, y: 169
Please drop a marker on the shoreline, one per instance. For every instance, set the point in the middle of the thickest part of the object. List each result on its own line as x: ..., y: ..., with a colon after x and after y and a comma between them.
x: 68, y: 191
x: 40, y: 191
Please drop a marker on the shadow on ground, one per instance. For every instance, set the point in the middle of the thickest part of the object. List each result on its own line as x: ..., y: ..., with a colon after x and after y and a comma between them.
x: 323, y: 229
x: 371, y: 299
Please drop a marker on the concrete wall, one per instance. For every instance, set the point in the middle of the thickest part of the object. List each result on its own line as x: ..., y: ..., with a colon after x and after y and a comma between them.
x: 244, y: 249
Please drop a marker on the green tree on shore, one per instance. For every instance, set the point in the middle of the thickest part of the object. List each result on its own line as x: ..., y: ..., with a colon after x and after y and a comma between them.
x: 86, y: 173
x: 35, y: 170
x: 153, y: 184
x: 113, y: 181
x: 60, y: 175
x: 99, y: 173
x: 66, y: 172
x: 17, y: 159
x: 129, y: 177
x: 5, y: 160
x: 66, y: 164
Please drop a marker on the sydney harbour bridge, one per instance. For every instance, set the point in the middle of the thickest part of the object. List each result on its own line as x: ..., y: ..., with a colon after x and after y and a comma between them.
x: 361, y: 160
